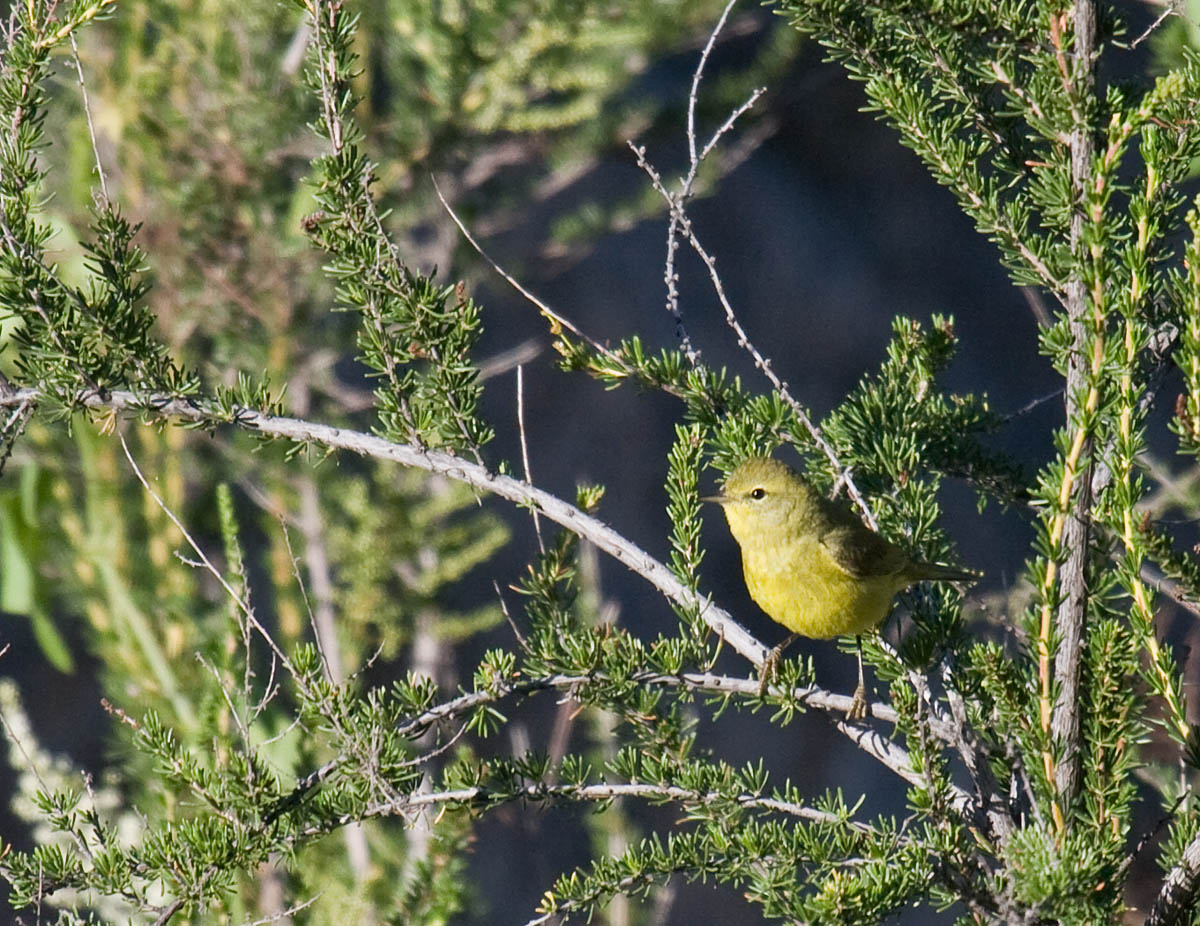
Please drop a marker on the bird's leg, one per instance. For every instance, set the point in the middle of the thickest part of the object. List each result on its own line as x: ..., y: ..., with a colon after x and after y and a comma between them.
x: 858, y: 705
x: 771, y: 663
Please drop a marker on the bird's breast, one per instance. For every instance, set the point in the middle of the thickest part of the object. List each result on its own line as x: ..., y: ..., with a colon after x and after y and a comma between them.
x: 801, y: 586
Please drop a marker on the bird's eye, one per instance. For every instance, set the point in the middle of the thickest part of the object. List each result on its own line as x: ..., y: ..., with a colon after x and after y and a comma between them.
x: 758, y: 493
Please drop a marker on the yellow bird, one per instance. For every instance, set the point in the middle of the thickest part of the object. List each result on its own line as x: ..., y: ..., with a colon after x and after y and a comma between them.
x: 811, y: 564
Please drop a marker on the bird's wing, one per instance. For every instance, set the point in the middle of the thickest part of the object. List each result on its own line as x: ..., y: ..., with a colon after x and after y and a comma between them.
x: 855, y: 547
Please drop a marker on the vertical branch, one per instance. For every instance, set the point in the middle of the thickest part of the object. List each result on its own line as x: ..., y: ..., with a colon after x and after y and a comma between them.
x: 1071, y: 525
x: 1187, y: 358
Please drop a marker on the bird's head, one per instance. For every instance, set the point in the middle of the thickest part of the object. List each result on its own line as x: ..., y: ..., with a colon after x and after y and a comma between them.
x: 766, y: 502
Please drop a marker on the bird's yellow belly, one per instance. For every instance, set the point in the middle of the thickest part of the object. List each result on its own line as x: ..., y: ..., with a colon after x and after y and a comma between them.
x: 807, y: 592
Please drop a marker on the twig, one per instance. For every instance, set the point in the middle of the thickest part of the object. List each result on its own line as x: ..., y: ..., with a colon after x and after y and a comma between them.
x: 808, y: 697
x: 556, y: 320
x: 1171, y: 8
x: 1164, y: 584
x: 332, y: 663
x: 285, y: 915
x: 687, y: 184
x: 891, y: 755
x: 237, y: 599
x: 316, y: 561
x: 699, y: 72
x: 1151, y: 833
x: 293, y: 55
x: 512, y: 624
x: 238, y: 720
x: 169, y: 911
x: 319, y: 634
x: 670, y: 276
x: 87, y: 111
x: 509, y: 359
x: 537, y: 523
x: 14, y: 426
x: 744, y: 342
x: 1037, y: 305
x: 608, y: 792
x: 995, y: 816
x: 1031, y: 405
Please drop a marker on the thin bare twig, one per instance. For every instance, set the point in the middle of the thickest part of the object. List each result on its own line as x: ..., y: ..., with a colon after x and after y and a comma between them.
x: 285, y: 915
x: 87, y: 111
x: 1170, y: 8
x: 670, y: 276
x: 556, y: 320
x: 694, y: 92
x: 744, y: 342
x: 242, y: 604
x: 238, y: 720
x: 688, y: 182
x: 316, y: 561
x: 537, y: 523
x: 319, y: 635
x: 512, y: 624
x: 509, y: 359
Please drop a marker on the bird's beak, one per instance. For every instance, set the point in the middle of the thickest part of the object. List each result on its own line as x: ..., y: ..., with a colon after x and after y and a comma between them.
x: 716, y: 499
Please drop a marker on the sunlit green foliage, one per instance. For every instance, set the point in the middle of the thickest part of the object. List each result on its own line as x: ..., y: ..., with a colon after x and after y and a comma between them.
x: 272, y: 632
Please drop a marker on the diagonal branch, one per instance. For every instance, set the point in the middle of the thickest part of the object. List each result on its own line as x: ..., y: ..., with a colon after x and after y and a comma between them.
x: 1175, y: 902
x: 279, y: 427
x: 893, y: 756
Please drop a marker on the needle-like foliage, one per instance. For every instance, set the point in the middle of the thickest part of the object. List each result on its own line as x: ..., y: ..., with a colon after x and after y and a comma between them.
x: 290, y: 739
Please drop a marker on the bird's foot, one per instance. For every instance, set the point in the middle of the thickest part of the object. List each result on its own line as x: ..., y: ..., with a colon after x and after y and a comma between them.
x: 858, y: 704
x: 766, y: 671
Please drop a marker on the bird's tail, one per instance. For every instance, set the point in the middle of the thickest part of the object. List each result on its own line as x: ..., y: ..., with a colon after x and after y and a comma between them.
x: 936, y: 572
